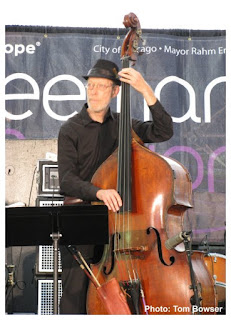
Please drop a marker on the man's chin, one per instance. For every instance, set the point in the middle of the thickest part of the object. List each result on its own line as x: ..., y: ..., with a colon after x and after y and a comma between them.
x: 96, y: 108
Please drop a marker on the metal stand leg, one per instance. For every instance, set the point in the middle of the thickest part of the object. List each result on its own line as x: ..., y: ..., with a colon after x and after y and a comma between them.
x: 55, y: 238
x: 195, y: 299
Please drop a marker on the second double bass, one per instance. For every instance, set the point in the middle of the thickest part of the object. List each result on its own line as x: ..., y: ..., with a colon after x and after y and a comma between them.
x: 155, y: 191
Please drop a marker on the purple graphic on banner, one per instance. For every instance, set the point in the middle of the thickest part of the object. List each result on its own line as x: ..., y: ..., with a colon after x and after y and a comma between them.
x: 151, y: 147
x: 196, y: 155
x: 15, y: 133
x: 209, y: 230
x: 211, y: 167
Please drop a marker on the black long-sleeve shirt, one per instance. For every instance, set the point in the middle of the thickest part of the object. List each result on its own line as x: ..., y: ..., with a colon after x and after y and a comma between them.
x: 84, y: 144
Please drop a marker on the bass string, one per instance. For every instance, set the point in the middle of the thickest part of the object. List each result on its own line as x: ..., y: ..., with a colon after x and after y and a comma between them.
x: 120, y: 185
x: 124, y: 185
x: 127, y: 174
x: 126, y: 177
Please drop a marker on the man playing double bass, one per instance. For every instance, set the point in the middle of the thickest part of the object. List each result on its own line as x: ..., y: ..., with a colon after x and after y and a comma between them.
x: 85, y: 141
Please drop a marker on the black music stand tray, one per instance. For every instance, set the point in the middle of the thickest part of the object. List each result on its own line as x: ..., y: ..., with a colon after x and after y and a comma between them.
x: 64, y: 225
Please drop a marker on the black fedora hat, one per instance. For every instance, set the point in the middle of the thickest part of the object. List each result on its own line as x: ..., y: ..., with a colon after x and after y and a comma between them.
x: 104, y: 69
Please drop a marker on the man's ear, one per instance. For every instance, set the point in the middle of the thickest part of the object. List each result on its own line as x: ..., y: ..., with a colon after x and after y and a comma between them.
x: 115, y: 91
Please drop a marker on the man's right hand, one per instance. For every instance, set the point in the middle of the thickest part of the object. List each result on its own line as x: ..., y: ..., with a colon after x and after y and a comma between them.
x: 111, y: 198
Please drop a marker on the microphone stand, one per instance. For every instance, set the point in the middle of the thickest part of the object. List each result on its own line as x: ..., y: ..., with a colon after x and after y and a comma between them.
x: 55, y: 238
x: 56, y: 235
x: 195, y: 300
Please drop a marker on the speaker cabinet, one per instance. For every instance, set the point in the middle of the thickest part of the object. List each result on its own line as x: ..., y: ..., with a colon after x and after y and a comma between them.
x: 45, y: 296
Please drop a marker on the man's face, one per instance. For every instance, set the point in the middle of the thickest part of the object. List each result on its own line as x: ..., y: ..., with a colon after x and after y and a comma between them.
x: 100, y: 91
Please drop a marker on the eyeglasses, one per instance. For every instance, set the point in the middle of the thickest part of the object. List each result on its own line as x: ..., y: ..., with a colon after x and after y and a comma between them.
x: 99, y: 86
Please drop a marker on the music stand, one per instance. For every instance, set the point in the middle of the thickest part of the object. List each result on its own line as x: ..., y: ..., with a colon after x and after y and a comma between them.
x: 65, y: 225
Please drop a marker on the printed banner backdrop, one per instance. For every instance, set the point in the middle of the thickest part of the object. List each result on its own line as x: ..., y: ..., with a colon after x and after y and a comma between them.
x: 44, y: 87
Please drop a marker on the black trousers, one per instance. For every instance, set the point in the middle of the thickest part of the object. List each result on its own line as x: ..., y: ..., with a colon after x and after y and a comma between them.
x: 74, y: 280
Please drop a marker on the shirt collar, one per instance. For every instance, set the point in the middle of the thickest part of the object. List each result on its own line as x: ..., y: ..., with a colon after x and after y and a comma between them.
x: 86, y: 119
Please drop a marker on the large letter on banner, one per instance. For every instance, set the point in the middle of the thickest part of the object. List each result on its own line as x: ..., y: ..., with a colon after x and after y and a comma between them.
x: 192, y: 98
x: 47, y: 97
x: 207, y: 95
x: 21, y: 96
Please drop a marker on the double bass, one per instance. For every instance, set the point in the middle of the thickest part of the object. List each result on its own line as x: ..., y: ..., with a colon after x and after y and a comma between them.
x: 156, y: 191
